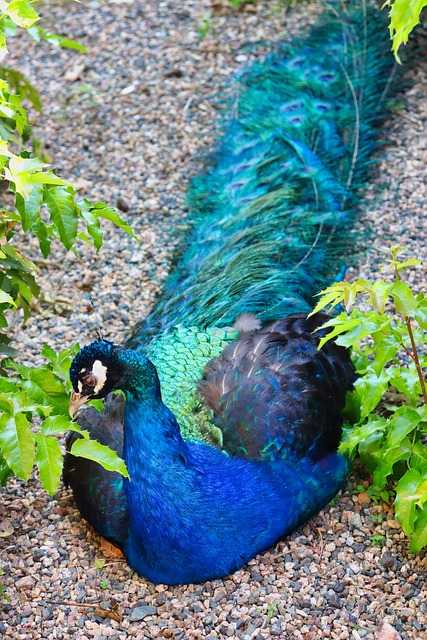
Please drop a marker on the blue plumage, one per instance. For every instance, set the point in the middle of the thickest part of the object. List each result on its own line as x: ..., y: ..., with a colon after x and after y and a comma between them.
x: 196, y: 512
x: 232, y: 415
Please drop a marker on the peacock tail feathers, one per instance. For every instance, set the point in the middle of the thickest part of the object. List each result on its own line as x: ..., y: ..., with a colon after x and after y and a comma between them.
x: 272, y: 216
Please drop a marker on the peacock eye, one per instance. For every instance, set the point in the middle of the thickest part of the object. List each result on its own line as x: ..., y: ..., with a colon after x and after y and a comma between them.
x: 90, y: 380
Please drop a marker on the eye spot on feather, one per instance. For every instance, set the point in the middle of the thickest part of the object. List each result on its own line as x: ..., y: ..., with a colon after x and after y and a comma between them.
x: 295, y: 120
x: 296, y: 63
x: 292, y: 105
x: 236, y: 185
x: 326, y: 76
x: 322, y: 107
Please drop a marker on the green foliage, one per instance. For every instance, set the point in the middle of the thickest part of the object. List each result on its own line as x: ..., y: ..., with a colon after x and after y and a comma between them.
x: 378, y: 540
x: 390, y: 397
x: 43, y: 204
x: 404, y: 16
x: 271, y: 611
x: 204, y: 25
x: 236, y: 4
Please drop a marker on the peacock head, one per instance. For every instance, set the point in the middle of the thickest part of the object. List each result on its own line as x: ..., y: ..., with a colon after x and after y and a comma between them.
x: 102, y: 367
x: 95, y: 371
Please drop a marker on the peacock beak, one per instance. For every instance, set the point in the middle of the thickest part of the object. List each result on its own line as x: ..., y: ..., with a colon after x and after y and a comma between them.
x: 76, y: 401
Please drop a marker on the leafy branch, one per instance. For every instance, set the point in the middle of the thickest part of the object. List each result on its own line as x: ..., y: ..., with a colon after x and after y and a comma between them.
x: 404, y: 16
x: 45, y: 205
x: 389, y: 403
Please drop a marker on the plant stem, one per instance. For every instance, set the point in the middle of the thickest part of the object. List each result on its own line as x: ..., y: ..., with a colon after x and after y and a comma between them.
x: 416, y: 359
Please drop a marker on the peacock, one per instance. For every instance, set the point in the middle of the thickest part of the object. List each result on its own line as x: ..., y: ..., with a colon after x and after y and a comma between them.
x: 230, y: 416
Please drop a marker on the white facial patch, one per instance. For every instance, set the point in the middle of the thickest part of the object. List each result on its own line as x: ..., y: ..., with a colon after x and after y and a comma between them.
x: 100, y: 372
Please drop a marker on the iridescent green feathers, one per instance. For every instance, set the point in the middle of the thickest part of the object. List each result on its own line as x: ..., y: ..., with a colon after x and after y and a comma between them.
x: 271, y: 218
x: 180, y: 361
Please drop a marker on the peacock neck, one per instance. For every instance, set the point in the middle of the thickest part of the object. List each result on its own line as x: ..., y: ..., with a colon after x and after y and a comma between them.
x: 150, y: 428
x: 156, y: 458
x: 139, y: 379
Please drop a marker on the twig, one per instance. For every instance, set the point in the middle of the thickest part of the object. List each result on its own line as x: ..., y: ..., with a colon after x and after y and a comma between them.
x: 86, y: 605
x: 187, y: 106
x: 322, y: 546
x: 98, y: 610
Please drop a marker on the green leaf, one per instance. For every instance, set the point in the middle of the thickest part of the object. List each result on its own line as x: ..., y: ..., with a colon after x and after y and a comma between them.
x: 93, y: 227
x: 19, y: 172
x: 29, y: 209
x: 386, y: 348
x: 18, y: 260
x: 339, y: 325
x: 102, y: 211
x: 6, y: 403
x: 389, y: 458
x: 44, y: 387
x: 20, y: 11
x: 365, y: 326
x: 39, y: 33
x: 17, y: 444
x: 47, y: 177
x: 6, y: 386
x: 404, y: 16
x: 60, y: 424
x: 379, y: 294
x: 421, y: 312
x: 402, y: 422
x: 407, y: 382
x: 49, y: 462
x: 419, y: 458
x: 370, y: 389
x: 4, y: 150
x: 17, y: 402
x: 107, y: 458
x: 371, y: 450
x: 411, y: 491
x: 6, y: 299
x: 354, y: 436
x: 60, y: 362
x: 419, y: 535
x: 404, y: 299
x: 43, y: 234
x: 330, y: 297
x: 63, y: 212
x: 60, y: 41
x: 5, y: 470
x: 20, y: 85
x: 3, y: 47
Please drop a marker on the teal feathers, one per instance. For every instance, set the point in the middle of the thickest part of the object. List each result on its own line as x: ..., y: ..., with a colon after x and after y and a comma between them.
x: 274, y: 211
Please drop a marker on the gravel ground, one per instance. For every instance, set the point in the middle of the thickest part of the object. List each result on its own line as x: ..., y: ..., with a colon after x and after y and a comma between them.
x: 127, y: 123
